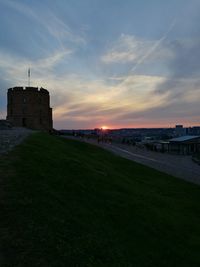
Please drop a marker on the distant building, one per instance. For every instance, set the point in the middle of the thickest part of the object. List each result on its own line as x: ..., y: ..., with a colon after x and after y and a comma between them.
x: 29, y: 107
x: 185, y: 145
x: 195, y: 130
x: 179, y: 130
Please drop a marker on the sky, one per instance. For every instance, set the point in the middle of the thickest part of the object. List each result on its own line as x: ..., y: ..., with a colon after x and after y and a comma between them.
x: 119, y: 63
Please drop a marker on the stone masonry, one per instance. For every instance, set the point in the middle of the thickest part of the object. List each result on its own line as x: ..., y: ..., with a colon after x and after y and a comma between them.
x: 29, y: 107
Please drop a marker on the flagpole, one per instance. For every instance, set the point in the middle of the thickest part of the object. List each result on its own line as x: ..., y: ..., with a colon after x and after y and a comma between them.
x: 29, y: 76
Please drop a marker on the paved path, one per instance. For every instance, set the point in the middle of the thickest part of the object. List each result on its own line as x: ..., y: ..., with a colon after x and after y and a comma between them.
x: 177, y: 165
x: 9, y: 138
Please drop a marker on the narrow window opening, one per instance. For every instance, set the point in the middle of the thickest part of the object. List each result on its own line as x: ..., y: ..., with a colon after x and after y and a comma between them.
x: 24, y: 122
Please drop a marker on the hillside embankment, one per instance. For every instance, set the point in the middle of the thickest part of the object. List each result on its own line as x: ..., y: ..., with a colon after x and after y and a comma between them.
x: 180, y: 166
x: 69, y: 203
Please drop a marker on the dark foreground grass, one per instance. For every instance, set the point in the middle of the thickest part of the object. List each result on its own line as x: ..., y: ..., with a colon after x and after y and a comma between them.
x: 66, y: 203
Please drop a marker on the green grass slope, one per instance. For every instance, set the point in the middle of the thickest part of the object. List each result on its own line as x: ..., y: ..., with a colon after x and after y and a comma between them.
x: 67, y: 203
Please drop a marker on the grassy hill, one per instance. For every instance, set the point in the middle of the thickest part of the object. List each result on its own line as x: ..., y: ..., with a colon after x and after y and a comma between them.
x: 67, y: 203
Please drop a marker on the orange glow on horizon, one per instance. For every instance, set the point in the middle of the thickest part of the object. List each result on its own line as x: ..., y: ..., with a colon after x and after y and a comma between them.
x: 104, y: 127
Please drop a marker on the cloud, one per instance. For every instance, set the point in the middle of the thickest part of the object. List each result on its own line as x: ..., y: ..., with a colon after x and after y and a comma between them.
x: 13, y: 71
x: 184, y: 71
x: 81, y: 99
x: 97, y: 102
x: 185, y: 61
x: 48, y: 21
x: 15, y: 67
x: 167, y: 114
x: 61, y: 31
x: 88, y: 89
x: 129, y: 48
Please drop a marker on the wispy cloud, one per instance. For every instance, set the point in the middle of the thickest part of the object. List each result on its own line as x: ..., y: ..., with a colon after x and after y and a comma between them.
x: 15, y: 67
x: 152, y: 50
x: 90, y: 102
x: 48, y: 20
x: 184, y: 68
x: 133, y: 49
x: 99, y: 101
x: 134, y: 80
x: 61, y: 31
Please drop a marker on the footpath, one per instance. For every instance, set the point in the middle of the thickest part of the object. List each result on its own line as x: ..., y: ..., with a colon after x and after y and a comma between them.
x: 9, y: 138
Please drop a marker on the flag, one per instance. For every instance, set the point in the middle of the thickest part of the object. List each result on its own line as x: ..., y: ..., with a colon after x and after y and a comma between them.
x: 29, y: 72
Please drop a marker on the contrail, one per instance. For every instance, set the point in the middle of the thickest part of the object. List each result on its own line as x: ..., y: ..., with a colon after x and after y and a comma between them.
x: 153, y: 48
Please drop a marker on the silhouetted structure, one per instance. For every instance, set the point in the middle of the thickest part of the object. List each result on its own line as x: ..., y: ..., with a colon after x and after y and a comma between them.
x: 29, y: 107
x: 185, y: 145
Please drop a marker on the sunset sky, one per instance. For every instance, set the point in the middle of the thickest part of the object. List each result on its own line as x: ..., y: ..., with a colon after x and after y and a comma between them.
x: 119, y: 63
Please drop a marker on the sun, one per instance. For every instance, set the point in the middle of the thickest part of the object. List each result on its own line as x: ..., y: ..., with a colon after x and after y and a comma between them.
x: 104, y: 127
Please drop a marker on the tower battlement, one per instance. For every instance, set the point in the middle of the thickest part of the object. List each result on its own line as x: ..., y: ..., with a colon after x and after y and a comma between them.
x: 28, y: 88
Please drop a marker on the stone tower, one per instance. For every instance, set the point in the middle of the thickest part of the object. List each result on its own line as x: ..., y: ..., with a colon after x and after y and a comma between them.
x: 29, y: 107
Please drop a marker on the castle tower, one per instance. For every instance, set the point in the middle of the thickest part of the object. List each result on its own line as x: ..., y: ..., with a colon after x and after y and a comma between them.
x: 29, y: 107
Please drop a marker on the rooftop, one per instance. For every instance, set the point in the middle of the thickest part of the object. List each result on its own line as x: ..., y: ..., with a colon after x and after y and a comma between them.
x: 184, y: 138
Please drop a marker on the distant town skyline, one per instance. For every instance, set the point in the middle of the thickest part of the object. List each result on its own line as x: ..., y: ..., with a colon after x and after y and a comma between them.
x: 111, y: 63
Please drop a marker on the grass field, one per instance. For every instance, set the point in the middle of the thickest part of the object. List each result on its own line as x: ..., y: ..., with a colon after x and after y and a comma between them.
x: 65, y: 203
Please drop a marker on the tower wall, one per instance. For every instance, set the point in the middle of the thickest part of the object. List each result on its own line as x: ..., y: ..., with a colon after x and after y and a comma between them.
x: 29, y: 107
